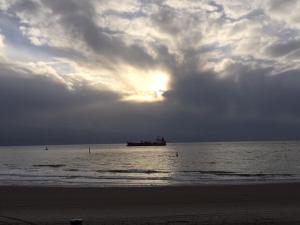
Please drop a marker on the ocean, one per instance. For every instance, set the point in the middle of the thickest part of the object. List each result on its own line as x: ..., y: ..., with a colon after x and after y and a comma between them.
x: 118, y: 165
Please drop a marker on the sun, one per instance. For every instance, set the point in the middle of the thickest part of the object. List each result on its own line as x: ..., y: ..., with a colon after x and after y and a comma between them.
x: 159, y: 84
x: 148, y: 86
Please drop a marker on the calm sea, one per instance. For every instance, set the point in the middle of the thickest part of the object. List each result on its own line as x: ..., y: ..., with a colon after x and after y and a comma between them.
x: 118, y: 165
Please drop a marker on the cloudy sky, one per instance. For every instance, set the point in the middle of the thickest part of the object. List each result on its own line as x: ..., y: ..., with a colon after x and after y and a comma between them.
x: 96, y: 71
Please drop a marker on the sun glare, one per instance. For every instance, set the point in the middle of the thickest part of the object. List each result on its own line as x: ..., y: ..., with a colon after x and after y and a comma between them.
x: 159, y: 84
x: 148, y: 87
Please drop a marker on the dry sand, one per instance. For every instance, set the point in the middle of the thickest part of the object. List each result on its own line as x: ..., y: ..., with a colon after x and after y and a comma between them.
x: 221, y: 204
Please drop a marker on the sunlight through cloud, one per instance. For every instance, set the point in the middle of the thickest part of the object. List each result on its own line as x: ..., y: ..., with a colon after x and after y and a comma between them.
x: 147, y: 86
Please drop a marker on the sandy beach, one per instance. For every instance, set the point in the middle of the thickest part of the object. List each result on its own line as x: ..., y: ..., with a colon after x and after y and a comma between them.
x: 221, y: 204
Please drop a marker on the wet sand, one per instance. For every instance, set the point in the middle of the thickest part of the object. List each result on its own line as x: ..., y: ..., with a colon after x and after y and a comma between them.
x: 219, y: 204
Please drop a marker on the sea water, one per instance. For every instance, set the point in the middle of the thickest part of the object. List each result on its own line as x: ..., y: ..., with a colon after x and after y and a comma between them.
x: 174, y: 164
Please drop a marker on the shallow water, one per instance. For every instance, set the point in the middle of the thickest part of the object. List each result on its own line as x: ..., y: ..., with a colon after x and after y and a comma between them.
x: 118, y: 165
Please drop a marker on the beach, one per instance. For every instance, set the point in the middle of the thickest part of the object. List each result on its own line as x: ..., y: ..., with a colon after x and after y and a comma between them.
x: 206, y: 204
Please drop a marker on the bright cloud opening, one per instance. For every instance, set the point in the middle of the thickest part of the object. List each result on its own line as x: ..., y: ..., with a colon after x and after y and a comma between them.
x: 147, y: 86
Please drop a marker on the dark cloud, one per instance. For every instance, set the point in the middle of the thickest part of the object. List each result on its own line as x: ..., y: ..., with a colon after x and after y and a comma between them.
x: 165, y: 20
x: 201, y: 106
x: 251, y: 105
x: 283, y: 48
x: 25, y: 6
x: 253, y: 93
x: 33, y: 103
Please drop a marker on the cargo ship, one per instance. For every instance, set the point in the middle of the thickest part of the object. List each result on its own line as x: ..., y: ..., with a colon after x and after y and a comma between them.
x: 158, y: 142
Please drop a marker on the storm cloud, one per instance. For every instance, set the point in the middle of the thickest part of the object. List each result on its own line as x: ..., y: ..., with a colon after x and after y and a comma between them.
x: 81, y: 72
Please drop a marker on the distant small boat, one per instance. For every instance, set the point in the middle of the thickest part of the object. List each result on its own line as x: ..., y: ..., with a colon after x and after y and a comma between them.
x: 158, y: 142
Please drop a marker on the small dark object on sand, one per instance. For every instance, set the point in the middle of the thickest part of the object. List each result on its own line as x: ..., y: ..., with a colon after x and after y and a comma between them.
x: 76, y: 222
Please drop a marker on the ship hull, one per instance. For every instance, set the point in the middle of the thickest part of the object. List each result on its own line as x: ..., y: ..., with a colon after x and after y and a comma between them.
x: 133, y: 144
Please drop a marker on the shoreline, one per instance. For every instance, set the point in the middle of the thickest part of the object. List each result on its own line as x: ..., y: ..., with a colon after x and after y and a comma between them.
x: 210, y: 204
x: 178, y: 185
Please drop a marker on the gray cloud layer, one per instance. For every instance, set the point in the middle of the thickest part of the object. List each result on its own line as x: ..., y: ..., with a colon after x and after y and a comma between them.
x: 228, y: 82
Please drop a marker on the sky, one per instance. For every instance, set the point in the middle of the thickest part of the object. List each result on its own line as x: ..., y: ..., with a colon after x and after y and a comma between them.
x: 96, y: 71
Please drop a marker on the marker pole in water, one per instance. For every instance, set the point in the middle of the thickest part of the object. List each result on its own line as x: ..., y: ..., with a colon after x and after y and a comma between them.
x: 89, y: 149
